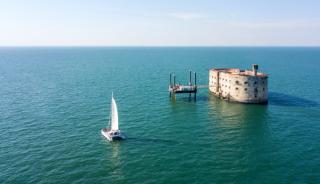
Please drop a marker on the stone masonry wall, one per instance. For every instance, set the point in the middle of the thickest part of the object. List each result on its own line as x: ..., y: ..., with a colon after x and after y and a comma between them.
x: 239, y: 88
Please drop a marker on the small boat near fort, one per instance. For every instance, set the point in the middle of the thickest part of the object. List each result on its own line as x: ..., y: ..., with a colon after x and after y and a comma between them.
x: 113, y: 133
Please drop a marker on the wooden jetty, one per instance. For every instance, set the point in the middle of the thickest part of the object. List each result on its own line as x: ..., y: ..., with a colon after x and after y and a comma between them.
x: 177, y: 88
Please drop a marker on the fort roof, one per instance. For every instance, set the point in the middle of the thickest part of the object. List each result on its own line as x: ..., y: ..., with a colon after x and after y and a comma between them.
x: 237, y: 71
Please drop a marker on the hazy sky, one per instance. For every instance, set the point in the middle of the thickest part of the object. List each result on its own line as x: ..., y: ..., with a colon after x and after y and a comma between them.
x: 160, y: 22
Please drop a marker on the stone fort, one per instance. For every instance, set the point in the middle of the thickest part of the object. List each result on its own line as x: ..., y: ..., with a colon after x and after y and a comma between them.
x: 233, y: 84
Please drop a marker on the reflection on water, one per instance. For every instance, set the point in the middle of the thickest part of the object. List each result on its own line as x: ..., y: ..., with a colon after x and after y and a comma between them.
x: 182, y: 98
x: 187, y: 98
x: 116, y: 173
x: 249, y: 120
x: 230, y: 112
x: 281, y: 99
x: 241, y: 132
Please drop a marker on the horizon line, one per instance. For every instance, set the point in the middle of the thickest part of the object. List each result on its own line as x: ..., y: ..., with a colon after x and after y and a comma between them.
x: 3, y: 46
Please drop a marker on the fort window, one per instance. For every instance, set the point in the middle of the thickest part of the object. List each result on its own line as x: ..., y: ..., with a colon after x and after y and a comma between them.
x: 255, y: 82
x: 246, y: 82
x: 245, y: 89
x: 236, y: 88
x: 237, y: 82
x: 262, y: 89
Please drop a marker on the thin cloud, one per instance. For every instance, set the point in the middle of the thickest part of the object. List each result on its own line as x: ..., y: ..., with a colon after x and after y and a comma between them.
x: 187, y: 16
x: 283, y: 24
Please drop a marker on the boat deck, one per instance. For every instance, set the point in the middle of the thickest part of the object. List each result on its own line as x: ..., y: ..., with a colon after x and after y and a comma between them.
x: 183, y: 89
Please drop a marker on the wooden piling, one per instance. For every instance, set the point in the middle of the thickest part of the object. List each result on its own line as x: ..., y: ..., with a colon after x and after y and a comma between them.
x: 190, y: 88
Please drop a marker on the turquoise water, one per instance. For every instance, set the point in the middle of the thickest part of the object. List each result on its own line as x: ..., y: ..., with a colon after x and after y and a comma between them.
x: 54, y: 101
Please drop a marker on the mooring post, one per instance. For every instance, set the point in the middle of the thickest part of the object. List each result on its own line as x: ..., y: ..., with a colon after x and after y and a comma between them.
x: 190, y: 80
x: 180, y: 88
x: 170, y: 85
x: 190, y: 83
x: 195, y: 85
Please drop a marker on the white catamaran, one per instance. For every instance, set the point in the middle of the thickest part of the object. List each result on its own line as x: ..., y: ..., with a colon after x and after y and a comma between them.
x: 113, y: 133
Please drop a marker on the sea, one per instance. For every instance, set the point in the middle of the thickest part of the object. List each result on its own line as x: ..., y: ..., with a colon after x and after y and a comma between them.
x: 55, y: 100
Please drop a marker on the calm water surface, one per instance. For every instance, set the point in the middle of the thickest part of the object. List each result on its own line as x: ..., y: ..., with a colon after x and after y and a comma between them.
x: 54, y: 101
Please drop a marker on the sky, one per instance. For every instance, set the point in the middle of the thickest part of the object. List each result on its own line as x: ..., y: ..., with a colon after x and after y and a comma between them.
x: 159, y: 22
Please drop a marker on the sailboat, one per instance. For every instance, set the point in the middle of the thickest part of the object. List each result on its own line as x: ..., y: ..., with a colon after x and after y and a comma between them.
x: 113, y: 133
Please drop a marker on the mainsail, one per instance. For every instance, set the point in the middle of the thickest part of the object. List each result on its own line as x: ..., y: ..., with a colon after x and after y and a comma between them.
x: 114, y: 115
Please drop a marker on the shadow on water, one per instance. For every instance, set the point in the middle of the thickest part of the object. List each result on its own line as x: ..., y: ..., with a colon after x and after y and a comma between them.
x: 281, y: 99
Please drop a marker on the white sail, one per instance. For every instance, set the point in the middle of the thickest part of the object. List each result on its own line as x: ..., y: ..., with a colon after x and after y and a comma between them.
x: 114, y: 115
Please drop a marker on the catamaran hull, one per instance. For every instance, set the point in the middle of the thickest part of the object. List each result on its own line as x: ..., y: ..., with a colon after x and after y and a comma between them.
x: 107, y: 134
